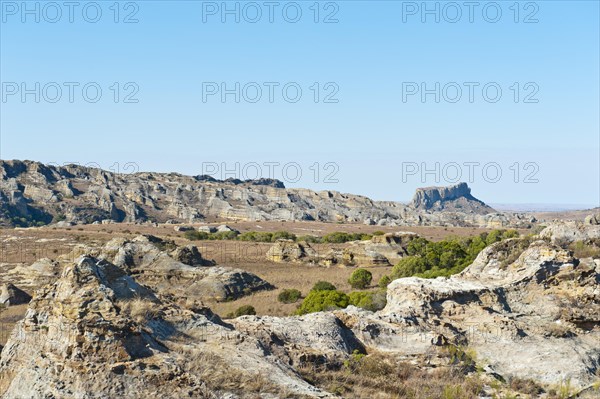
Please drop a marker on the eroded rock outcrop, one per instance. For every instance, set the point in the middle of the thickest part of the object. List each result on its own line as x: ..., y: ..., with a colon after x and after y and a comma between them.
x: 97, y: 333
x: 168, y: 268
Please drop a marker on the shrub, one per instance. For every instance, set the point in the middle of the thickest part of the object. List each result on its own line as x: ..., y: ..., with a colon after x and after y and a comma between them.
x: 244, y: 310
x: 372, y: 301
x: 196, y: 235
x: 444, y: 258
x: 360, y: 279
x: 310, y: 239
x: 223, y: 235
x: 283, y: 235
x: 59, y: 217
x: 341, y: 237
x: 289, y: 296
x: 384, y: 281
x: 378, y: 233
x: 323, y: 286
x: 409, y: 266
x: 257, y: 236
x: 317, y: 301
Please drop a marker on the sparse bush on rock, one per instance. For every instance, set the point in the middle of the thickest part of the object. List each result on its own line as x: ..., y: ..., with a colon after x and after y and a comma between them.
x: 317, y: 301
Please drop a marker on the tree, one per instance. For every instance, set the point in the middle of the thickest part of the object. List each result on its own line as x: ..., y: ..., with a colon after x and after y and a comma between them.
x: 289, y: 296
x: 384, y: 281
x: 244, y: 310
x: 360, y: 279
x: 372, y: 301
x: 317, y: 301
x: 323, y: 286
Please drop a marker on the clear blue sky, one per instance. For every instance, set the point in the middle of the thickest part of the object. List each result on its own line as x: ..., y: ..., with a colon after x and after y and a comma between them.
x: 368, y: 56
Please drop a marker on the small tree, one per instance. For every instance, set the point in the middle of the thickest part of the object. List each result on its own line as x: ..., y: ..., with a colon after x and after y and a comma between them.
x: 317, y: 301
x: 244, y: 310
x: 289, y: 296
x: 360, y: 279
x: 384, y: 281
x: 323, y: 286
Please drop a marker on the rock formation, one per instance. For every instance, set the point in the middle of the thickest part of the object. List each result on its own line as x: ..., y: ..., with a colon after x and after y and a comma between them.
x: 291, y: 251
x: 97, y: 333
x: 11, y: 295
x: 32, y: 193
x: 452, y: 198
x: 112, y: 326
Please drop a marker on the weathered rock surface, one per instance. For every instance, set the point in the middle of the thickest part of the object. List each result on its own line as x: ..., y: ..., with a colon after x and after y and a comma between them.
x: 177, y: 272
x: 571, y: 231
x: 97, y: 333
x: 41, y: 193
x: 537, y: 317
x: 291, y: 251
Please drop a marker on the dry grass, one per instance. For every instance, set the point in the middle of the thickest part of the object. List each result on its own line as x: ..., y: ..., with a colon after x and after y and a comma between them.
x: 381, y: 376
x: 140, y: 310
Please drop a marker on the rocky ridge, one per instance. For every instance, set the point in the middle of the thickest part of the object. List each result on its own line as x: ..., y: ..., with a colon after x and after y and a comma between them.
x: 34, y: 193
x: 107, y: 327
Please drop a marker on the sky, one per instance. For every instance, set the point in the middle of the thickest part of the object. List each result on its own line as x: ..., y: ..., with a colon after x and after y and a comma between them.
x: 365, y: 97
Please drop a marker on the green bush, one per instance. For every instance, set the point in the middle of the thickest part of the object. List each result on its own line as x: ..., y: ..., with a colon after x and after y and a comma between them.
x: 310, y: 239
x: 317, y: 301
x: 409, y: 266
x: 444, y: 258
x: 223, y: 235
x: 378, y: 233
x: 341, y: 237
x: 59, y: 217
x: 244, y: 311
x: 289, y: 296
x: 283, y: 235
x: 372, y: 301
x: 196, y: 235
x: 360, y: 279
x: 323, y: 286
x: 384, y: 281
x: 256, y: 236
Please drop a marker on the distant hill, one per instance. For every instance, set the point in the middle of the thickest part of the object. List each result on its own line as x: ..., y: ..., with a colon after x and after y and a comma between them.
x: 32, y: 193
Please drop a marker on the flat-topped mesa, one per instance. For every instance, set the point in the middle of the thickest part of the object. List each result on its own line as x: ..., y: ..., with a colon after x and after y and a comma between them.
x: 451, y: 198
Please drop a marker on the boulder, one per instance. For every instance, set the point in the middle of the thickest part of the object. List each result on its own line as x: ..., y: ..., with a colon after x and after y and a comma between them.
x: 207, y: 229
x: 190, y: 255
x: 11, y: 295
x: 183, y: 228
x: 224, y: 229
x: 291, y: 251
